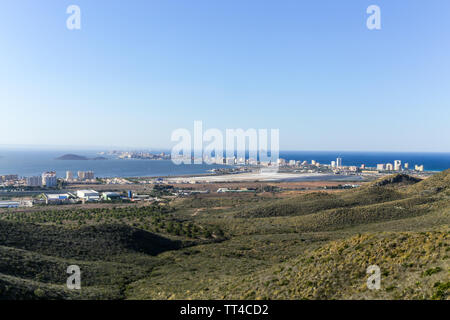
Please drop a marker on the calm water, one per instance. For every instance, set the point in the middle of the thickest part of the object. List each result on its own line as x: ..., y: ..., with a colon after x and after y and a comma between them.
x: 31, y: 163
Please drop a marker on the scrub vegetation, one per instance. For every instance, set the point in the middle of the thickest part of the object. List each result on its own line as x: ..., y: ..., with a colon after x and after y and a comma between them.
x: 315, y: 245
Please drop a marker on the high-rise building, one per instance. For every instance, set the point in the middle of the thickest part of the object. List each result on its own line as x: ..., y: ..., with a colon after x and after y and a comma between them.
x: 380, y: 167
x: 397, y: 165
x: 49, y: 179
x: 313, y: 162
x: 406, y: 166
x: 89, y: 175
x: 69, y: 176
x: 389, y: 167
x: 34, y: 181
x: 419, y: 168
x: 81, y: 175
x: 339, y: 162
x: 333, y: 164
x: 85, y: 175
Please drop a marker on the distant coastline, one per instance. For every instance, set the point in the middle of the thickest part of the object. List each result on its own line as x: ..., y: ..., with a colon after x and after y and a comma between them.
x: 33, y: 162
x: 78, y: 158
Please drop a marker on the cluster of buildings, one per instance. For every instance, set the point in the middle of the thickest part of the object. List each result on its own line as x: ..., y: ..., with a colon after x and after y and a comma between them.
x: 335, y: 165
x: 82, y: 176
x: 88, y: 195
x: 78, y: 196
x: 8, y: 179
x: 70, y: 197
x: 116, y: 181
x: 338, y: 167
x: 141, y: 155
x: 221, y: 160
x: 47, y: 179
x: 397, y: 166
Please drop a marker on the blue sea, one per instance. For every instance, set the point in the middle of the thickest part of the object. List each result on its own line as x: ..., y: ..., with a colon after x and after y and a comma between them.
x: 34, y: 162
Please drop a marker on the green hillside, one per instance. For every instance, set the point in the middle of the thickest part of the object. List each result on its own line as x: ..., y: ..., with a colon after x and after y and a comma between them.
x: 382, y: 190
x: 436, y: 184
x: 413, y: 266
x: 35, y: 259
x: 310, y: 246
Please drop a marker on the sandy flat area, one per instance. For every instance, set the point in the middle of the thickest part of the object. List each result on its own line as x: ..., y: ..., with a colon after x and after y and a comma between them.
x: 256, y: 176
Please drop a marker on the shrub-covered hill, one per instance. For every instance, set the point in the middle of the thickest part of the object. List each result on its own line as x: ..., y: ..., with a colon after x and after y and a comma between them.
x: 382, y: 190
x: 398, y: 180
x: 46, y: 269
x: 436, y: 184
x: 15, y: 288
x: 413, y: 266
x: 34, y: 259
x: 95, y: 242
x: 313, y: 246
x: 326, y: 241
x: 90, y: 242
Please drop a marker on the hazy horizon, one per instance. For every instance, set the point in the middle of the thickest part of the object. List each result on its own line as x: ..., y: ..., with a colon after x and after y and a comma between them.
x: 137, y: 71
x: 168, y: 149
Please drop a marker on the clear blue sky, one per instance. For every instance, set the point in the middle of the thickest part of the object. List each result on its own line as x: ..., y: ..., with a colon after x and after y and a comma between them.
x: 139, y: 69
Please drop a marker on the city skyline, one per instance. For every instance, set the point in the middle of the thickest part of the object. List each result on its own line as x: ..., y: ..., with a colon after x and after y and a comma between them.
x: 312, y: 70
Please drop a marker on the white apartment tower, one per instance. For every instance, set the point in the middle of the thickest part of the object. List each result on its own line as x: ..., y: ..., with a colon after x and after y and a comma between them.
x: 81, y: 175
x: 89, y: 175
x: 339, y: 162
x: 85, y: 175
x: 49, y: 179
x: 34, y: 181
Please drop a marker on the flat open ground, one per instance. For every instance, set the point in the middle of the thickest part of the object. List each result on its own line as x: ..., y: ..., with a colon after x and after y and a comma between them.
x: 264, y: 176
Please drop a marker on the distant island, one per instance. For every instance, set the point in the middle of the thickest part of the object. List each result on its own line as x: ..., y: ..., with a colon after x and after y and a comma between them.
x: 77, y: 157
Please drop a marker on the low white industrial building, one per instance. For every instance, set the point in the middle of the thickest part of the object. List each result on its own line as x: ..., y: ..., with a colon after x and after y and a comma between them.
x: 88, y: 195
x: 9, y: 204
x: 108, y: 196
x: 52, y: 198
